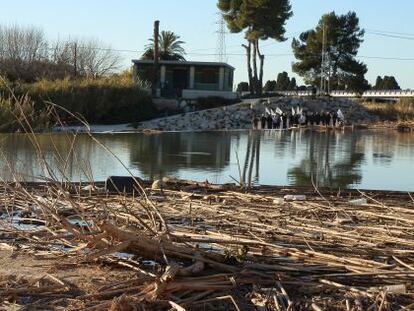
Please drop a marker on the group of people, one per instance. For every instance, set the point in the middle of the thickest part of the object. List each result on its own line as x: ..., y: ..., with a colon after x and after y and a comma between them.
x: 280, y: 120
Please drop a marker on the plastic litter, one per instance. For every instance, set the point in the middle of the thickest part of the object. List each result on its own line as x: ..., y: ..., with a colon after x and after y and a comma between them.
x: 278, y: 201
x: 362, y: 201
x: 295, y: 197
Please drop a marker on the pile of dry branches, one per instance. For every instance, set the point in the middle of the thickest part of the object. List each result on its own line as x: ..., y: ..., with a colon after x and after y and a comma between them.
x: 189, y: 247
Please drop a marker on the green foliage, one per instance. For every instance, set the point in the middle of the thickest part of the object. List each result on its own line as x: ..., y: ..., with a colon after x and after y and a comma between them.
x: 170, y: 47
x: 283, y: 83
x: 292, y: 85
x: 115, y: 99
x: 19, y: 114
x: 343, y: 39
x: 262, y: 19
x: 386, y: 83
x: 243, y: 87
x: 270, y: 86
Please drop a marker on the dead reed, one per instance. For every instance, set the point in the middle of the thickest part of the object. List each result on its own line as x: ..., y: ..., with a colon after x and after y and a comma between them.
x: 191, y: 246
x: 224, y: 249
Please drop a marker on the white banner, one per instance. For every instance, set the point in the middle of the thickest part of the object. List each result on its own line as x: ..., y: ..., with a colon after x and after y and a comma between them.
x: 340, y: 115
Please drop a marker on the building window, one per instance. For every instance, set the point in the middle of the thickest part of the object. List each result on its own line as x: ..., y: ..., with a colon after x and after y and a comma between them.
x: 230, y: 78
x: 209, y: 76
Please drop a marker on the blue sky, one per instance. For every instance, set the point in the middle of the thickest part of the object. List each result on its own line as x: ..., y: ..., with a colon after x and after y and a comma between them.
x: 127, y: 24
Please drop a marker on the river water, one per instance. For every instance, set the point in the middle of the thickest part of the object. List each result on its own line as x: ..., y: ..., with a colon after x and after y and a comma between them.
x: 366, y: 159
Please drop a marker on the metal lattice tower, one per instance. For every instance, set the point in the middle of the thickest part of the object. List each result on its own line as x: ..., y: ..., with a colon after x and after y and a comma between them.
x: 221, y: 53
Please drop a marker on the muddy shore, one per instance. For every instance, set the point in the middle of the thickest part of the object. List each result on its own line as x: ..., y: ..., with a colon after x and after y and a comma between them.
x: 181, y: 245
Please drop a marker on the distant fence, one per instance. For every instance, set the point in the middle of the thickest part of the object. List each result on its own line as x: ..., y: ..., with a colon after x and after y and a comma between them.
x: 347, y: 94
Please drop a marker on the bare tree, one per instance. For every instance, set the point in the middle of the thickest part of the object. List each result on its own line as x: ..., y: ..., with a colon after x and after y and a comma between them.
x: 90, y: 58
x: 25, y: 44
x: 26, y: 54
x: 22, y: 49
x: 96, y: 58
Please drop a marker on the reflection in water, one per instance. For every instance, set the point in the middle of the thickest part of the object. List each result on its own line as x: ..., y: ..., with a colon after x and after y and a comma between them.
x: 252, y: 160
x: 156, y: 156
x: 333, y: 159
x: 364, y: 159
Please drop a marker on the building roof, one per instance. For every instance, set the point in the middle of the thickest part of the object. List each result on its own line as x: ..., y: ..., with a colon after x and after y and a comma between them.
x: 183, y: 63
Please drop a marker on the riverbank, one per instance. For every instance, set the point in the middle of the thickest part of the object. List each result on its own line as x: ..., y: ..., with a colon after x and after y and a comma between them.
x: 45, y: 104
x: 239, y: 116
x: 187, y: 246
x: 401, y: 126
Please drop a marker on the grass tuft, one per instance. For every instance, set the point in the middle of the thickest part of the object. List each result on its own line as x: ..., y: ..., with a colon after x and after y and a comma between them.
x: 402, y: 110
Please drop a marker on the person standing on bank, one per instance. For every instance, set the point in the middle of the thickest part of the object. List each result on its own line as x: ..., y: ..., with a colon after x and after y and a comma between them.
x: 255, y: 122
x: 284, y: 121
x: 334, y: 118
x: 269, y: 122
x: 263, y: 121
x: 276, y: 121
x: 329, y: 116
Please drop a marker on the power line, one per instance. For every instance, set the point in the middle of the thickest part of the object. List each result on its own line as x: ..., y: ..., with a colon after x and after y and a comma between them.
x: 390, y: 32
x: 390, y: 35
x: 240, y: 54
x: 385, y: 58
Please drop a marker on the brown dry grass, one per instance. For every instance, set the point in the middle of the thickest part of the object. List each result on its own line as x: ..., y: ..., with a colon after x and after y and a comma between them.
x: 402, y: 110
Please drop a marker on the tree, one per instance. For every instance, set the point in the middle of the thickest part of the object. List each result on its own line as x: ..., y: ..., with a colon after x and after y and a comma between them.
x: 261, y: 20
x: 390, y: 83
x: 243, y: 87
x: 283, y: 81
x: 343, y: 39
x: 93, y: 58
x: 386, y: 83
x: 22, y: 50
x: 26, y: 55
x: 170, y: 47
x: 270, y: 86
x: 302, y: 88
x: 378, y: 83
x: 85, y: 58
x: 292, y: 85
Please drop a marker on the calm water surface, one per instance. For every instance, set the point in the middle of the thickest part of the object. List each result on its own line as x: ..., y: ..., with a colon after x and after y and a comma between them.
x: 360, y: 159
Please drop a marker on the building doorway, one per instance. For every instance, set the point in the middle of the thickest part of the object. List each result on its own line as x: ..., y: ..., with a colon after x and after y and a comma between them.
x: 180, y: 80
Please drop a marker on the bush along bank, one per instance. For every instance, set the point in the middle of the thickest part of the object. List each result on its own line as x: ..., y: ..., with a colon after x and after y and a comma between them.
x: 402, y: 110
x: 18, y: 114
x: 105, y: 101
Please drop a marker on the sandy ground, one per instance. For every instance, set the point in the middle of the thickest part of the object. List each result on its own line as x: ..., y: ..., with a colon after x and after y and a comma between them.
x: 84, y: 278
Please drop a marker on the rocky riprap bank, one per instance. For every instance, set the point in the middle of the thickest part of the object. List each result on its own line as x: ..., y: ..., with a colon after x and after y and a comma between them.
x: 239, y: 116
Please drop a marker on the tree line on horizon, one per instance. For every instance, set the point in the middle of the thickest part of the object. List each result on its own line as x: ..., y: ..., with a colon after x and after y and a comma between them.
x: 26, y: 54
x: 266, y: 19
x: 262, y: 20
x: 284, y: 83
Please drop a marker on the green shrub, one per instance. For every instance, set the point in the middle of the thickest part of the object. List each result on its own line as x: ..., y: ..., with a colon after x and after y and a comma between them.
x: 109, y: 100
x: 19, y: 114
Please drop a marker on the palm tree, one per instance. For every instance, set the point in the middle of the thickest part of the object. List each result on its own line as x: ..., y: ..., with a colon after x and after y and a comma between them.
x: 170, y: 47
